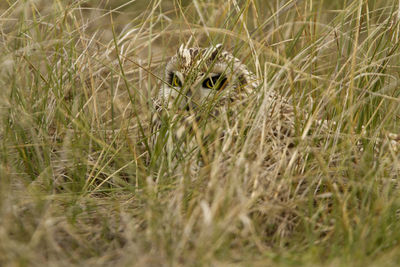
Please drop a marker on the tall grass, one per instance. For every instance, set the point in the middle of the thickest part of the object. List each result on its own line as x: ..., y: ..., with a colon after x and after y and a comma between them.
x: 80, y: 183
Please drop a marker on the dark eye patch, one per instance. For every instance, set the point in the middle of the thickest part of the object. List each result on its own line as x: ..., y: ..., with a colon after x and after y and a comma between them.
x: 174, y: 80
x: 215, y: 82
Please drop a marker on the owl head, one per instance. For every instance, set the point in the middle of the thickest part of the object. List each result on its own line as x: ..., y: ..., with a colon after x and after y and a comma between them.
x: 194, y: 76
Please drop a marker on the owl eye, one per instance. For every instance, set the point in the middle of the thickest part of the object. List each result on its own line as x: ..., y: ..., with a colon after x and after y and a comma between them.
x: 209, y: 84
x: 215, y: 82
x: 175, y: 82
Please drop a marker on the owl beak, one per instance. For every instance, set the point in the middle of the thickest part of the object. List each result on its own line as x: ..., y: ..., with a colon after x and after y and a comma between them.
x: 189, y: 93
x: 189, y: 102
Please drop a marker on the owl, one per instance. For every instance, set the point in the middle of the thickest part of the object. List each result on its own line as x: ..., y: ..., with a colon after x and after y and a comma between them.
x: 195, y: 76
x: 204, y: 86
x: 210, y: 84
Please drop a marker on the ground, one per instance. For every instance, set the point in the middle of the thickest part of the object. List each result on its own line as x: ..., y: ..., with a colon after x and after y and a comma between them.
x: 80, y: 184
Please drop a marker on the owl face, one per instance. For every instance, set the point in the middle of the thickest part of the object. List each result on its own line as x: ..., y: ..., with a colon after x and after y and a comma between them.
x: 195, y: 76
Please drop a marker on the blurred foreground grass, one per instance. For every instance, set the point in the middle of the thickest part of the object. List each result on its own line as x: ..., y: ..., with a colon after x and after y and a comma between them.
x: 76, y: 81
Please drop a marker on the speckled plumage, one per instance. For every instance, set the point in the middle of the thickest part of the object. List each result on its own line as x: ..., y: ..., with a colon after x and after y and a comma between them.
x: 178, y: 106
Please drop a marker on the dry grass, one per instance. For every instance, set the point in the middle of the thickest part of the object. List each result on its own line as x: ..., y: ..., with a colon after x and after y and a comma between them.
x: 79, y: 185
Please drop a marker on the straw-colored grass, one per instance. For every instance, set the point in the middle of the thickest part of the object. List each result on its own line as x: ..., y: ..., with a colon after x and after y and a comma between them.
x: 81, y: 184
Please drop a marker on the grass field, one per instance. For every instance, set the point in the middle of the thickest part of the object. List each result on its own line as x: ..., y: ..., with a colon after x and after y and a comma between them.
x: 80, y: 184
